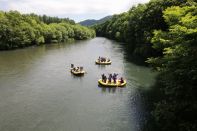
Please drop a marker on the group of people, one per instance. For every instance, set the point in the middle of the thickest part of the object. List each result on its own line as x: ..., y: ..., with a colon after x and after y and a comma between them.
x: 77, y: 69
x: 103, y: 59
x: 110, y: 78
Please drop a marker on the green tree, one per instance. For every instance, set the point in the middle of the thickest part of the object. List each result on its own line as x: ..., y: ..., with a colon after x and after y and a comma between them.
x: 21, y: 30
x: 178, y: 67
x: 137, y: 25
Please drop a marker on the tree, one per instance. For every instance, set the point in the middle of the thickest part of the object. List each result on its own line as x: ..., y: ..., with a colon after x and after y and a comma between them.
x: 21, y: 30
x: 178, y: 67
x: 137, y: 25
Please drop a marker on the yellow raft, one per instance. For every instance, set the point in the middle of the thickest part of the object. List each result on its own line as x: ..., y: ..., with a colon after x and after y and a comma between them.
x: 112, y: 84
x: 77, y: 72
x: 103, y: 63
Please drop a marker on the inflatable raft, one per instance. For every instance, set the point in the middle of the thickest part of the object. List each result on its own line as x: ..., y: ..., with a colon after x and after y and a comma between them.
x: 77, y: 72
x: 112, y: 84
x: 103, y: 63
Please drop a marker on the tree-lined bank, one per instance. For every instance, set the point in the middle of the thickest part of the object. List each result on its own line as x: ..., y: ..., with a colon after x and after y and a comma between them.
x: 136, y: 26
x: 22, y: 30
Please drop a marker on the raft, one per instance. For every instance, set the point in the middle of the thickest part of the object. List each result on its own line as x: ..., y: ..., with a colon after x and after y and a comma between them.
x: 112, y: 84
x: 77, y: 72
x: 103, y: 63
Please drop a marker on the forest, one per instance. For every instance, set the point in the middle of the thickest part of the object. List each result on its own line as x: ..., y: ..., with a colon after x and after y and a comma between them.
x: 21, y: 30
x: 164, y: 34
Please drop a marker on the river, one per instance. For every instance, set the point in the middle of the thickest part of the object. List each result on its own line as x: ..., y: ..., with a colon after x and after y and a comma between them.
x: 38, y: 92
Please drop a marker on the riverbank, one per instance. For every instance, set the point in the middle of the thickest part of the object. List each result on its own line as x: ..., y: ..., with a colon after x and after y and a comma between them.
x: 23, y: 30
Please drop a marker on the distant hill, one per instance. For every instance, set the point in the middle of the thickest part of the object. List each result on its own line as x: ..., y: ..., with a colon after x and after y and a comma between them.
x: 91, y: 22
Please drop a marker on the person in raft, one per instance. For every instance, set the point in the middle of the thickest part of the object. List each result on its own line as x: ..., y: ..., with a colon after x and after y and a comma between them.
x: 114, y: 77
x: 99, y: 59
x: 72, y: 65
x: 108, y: 60
x: 121, y: 80
x: 103, y: 59
x: 104, y: 78
x: 81, y: 68
x: 109, y: 78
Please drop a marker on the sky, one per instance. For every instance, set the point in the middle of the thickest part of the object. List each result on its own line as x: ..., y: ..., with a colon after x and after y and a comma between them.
x: 77, y: 10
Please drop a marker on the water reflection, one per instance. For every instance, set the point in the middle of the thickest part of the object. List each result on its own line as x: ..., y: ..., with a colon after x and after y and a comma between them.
x: 101, y: 66
x: 111, y: 89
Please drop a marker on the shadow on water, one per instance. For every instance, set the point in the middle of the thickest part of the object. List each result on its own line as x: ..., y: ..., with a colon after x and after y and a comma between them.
x: 131, y: 57
x: 142, y: 104
x: 152, y: 97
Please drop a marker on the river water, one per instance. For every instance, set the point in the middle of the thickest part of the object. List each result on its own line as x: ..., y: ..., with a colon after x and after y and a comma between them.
x: 38, y: 92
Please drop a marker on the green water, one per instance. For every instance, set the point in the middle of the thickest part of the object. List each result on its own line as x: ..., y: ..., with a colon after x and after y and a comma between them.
x: 38, y: 93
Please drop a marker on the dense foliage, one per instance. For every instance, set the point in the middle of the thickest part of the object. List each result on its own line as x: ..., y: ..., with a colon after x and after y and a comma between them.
x: 19, y: 30
x: 178, y: 66
x: 137, y: 25
x: 166, y: 30
x: 48, y: 19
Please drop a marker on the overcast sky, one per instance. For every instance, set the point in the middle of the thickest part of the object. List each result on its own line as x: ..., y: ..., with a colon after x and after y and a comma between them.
x: 74, y: 9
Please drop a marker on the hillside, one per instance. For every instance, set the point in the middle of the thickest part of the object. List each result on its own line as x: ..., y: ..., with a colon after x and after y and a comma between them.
x: 91, y: 22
